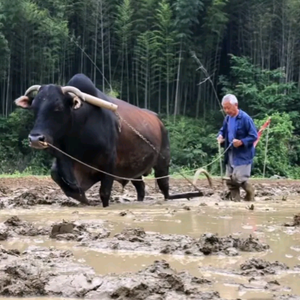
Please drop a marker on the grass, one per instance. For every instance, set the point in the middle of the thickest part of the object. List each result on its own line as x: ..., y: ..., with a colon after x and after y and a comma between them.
x: 174, y: 174
x: 22, y: 175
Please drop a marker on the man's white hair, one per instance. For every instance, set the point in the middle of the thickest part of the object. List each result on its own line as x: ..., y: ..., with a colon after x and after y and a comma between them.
x: 231, y: 98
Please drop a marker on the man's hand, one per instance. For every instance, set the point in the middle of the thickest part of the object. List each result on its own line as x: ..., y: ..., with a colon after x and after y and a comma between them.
x: 220, y: 139
x: 237, y: 143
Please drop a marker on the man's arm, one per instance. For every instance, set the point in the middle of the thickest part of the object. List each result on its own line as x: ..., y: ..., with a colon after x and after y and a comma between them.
x: 220, y: 136
x: 221, y: 131
x: 252, y: 133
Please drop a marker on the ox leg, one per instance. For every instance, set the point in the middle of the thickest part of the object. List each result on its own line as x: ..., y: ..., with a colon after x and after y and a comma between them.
x: 105, y: 190
x: 140, y: 189
x: 124, y: 183
x: 70, y: 190
x: 163, y: 183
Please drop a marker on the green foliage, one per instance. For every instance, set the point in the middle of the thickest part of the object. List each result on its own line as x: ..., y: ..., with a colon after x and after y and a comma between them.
x: 192, y: 142
x: 124, y: 22
x: 261, y: 90
x: 165, y: 36
x: 136, y: 46
x: 15, y: 154
x: 278, y: 150
x: 186, y: 15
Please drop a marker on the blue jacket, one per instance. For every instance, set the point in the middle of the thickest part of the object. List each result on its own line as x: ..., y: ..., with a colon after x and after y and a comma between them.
x: 247, y: 133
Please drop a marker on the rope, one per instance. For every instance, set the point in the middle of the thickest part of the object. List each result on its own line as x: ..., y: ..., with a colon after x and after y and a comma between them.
x: 266, y: 151
x: 124, y: 178
x: 221, y: 168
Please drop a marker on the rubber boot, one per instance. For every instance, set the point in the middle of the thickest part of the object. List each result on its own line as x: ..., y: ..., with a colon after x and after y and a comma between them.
x: 249, y: 191
x: 234, y: 190
x: 235, y: 194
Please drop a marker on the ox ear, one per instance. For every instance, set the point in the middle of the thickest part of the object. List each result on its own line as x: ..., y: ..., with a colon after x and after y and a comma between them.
x: 73, y: 101
x: 23, y: 102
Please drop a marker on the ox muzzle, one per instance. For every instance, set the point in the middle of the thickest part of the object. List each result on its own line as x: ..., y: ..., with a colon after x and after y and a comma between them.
x: 37, y: 141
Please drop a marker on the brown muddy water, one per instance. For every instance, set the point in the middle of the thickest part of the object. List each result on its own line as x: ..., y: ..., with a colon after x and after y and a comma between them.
x: 205, y: 248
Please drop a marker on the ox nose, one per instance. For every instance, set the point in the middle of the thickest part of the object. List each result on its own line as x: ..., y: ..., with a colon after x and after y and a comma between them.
x: 35, y: 139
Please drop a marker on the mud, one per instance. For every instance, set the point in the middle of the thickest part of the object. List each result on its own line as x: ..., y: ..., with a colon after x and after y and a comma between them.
x: 287, y: 297
x: 52, y: 272
x: 136, y: 239
x: 205, y: 248
x: 261, y: 267
x: 14, y: 226
x: 296, y: 221
x: 95, y: 234
x: 79, y: 231
x: 33, y: 191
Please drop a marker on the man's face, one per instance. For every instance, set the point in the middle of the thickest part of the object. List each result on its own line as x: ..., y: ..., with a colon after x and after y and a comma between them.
x: 230, y: 109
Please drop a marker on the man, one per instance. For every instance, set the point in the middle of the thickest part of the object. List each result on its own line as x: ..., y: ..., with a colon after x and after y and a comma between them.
x: 238, y: 132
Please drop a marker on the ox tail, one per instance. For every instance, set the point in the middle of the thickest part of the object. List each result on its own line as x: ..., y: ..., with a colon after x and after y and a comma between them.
x: 198, y: 172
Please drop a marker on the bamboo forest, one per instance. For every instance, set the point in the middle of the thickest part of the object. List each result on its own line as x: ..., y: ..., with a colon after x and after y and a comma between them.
x: 177, y: 58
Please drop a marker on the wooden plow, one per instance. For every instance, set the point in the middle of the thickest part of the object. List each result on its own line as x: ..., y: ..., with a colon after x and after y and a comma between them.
x: 198, y: 192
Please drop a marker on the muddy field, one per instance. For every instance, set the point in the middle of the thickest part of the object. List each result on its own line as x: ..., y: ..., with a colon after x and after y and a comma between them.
x: 203, y: 248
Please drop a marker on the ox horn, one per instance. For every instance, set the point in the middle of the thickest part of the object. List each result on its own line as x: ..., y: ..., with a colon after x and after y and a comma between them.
x: 88, y: 98
x: 23, y: 101
x: 31, y: 89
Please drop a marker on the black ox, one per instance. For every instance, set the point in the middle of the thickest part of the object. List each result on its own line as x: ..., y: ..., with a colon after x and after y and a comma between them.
x: 93, y: 133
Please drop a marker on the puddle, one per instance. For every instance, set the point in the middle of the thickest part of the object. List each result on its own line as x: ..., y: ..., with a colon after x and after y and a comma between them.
x: 125, y: 249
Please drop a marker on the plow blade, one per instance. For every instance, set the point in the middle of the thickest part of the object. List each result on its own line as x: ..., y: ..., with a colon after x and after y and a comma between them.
x: 186, y: 195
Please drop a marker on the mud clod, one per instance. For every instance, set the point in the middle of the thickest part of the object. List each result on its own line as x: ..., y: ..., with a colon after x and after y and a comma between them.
x: 51, y: 272
x: 185, y: 207
x: 261, y: 267
x: 61, y: 228
x: 30, y: 198
x: 79, y: 231
x: 3, y: 232
x: 136, y: 239
x: 296, y: 221
x: 229, y: 245
x: 157, y: 281
x: 15, y: 226
x: 262, y: 285
x: 27, y: 273
x: 286, y: 297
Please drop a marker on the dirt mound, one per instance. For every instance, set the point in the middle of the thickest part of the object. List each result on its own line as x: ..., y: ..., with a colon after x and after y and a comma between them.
x: 50, y: 272
x: 296, y: 221
x: 27, y: 198
x: 27, y: 273
x: 261, y: 267
x: 276, y: 189
x: 136, y: 239
x: 262, y: 285
x: 80, y: 231
x: 286, y: 297
x: 15, y: 226
x: 41, y: 195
